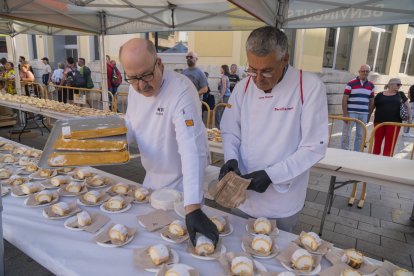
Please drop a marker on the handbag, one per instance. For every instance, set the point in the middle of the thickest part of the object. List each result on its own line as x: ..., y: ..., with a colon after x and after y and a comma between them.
x: 403, y: 110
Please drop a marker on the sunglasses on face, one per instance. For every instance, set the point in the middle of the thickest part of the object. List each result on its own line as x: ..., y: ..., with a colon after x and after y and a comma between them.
x: 189, y: 57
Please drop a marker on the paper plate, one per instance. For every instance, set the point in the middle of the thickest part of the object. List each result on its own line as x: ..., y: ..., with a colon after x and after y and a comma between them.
x: 99, y: 202
x: 170, y: 240
x: 4, y: 190
x: 69, y: 221
x: 259, y: 266
x: 253, y: 234
x: 36, y: 175
x: 82, y: 191
x: 46, y: 184
x: 103, y: 209
x: 260, y: 257
x: 207, y: 258
x: 23, y: 171
x: 26, y: 195
x: 175, y: 259
x: 172, y: 265
x: 315, y: 271
x: 111, y: 245
x: 228, y: 233
x: 42, y: 205
x: 56, y: 218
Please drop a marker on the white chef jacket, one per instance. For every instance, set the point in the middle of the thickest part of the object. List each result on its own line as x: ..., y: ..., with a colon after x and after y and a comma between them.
x: 275, y: 132
x: 171, y: 136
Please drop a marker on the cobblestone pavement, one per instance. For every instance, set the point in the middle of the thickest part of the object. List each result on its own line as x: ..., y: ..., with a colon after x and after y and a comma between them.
x: 382, y: 229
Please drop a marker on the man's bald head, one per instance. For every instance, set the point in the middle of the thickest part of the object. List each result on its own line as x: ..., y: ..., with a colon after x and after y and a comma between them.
x: 141, y: 65
x: 140, y: 45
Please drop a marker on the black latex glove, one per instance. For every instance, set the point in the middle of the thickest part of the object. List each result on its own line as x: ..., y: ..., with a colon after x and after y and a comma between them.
x: 197, y: 221
x: 260, y: 181
x: 231, y: 166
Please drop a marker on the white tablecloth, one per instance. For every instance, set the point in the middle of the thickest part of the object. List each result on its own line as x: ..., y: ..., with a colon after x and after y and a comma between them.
x: 66, y: 252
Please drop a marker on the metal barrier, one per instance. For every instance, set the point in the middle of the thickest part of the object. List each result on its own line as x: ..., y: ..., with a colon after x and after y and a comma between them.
x: 204, y: 104
x: 224, y: 105
x: 78, y: 96
x: 394, y: 138
x: 33, y: 89
x: 120, y: 102
x: 332, y: 119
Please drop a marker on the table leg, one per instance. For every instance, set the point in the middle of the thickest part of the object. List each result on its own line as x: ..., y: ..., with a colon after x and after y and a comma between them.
x: 329, y: 198
x: 24, y: 126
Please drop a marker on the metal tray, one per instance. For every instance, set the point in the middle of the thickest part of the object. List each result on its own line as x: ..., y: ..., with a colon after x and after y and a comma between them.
x: 89, y: 123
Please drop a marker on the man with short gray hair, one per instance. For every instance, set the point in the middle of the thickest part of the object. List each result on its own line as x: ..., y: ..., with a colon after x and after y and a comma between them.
x: 275, y: 130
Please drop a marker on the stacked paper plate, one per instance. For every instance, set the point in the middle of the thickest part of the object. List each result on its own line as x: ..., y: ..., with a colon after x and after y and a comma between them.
x: 164, y: 199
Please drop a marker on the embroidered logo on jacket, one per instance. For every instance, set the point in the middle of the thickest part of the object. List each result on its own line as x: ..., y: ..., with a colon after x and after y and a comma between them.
x: 283, y: 108
x: 189, y: 123
x: 160, y: 111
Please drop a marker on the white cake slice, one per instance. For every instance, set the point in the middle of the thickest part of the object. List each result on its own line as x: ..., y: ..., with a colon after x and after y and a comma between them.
x: 220, y: 222
x: 204, y: 246
x: 159, y: 254
x: 302, y: 260
x: 84, y: 218
x: 311, y: 240
x: 262, y: 226
x: 242, y: 266
x: 177, y: 228
x: 115, y: 202
x: 60, y: 208
x: 30, y: 187
x: 178, y: 270
x: 92, y: 196
x: 118, y: 233
x: 262, y: 243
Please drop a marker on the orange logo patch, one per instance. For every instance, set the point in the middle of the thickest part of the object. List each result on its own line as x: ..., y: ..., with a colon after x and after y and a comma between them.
x: 189, y: 123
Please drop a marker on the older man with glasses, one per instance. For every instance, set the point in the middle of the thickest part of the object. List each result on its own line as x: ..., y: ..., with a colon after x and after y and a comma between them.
x: 197, y: 77
x: 357, y: 103
x: 163, y: 117
x: 275, y: 130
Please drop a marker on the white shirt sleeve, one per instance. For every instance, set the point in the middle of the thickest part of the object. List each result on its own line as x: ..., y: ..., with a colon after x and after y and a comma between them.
x: 231, y: 125
x: 312, y: 147
x: 192, y: 147
x: 130, y: 132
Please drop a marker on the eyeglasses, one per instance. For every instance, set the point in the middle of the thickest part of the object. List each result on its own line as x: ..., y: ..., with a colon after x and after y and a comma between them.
x: 398, y: 84
x: 147, y: 77
x: 253, y: 74
x: 364, y: 71
x: 189, y: 57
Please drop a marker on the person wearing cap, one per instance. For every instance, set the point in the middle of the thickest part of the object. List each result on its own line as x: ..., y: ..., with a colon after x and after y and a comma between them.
x: 387, y: 109
x: 47, y: 71
x: 164, y: 118
x: 357, y: 103
x: 197, y: 77
x: 275, y: 130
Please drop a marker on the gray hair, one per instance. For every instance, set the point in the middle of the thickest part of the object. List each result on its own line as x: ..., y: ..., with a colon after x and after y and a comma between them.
x: 265, y: 40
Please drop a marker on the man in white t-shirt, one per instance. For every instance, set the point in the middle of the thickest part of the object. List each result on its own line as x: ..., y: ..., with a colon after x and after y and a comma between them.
x: 164, y: 118
x: 275, y: 129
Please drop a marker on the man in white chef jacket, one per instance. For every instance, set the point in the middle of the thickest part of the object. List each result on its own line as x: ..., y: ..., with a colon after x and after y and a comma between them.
x: 164, y: 118
x: 274, y: 131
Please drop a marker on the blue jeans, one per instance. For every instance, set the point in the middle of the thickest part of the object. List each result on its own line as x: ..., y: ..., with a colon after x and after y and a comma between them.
x: 347, y: 131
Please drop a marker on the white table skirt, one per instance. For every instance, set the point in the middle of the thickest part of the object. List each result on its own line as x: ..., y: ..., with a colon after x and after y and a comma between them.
x: 66, y: 252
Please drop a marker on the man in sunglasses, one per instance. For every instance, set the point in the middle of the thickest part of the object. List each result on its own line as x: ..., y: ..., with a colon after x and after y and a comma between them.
x: 163, y: 117
x: 275, y: 130
x: 357, y: 103
x: 197, y: 77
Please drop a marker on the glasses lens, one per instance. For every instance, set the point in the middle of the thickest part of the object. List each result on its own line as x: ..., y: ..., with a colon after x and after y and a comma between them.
x: 148, y: 77
x: 251, y: 74
x: 399, y: 84
x: 189, y: 57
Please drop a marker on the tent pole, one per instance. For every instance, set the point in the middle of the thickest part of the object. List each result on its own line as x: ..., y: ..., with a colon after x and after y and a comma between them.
x: 104, y: 78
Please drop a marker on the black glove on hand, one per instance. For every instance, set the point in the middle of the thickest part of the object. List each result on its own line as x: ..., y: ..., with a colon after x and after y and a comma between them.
x: 260, y: 181
x: 197, y: 221
x: 231, y: 166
